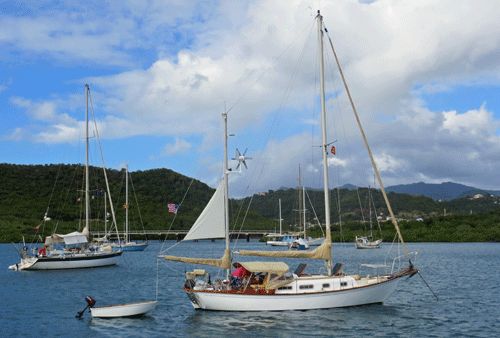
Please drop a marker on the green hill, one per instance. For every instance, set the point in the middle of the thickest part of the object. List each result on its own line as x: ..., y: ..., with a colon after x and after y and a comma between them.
x: 27, y: 192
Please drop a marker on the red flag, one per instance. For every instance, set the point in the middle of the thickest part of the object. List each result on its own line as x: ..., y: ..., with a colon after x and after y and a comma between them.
x: 333, y: 150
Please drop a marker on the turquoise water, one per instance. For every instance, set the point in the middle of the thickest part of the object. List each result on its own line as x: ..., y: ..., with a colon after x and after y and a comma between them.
x: 465, y: 277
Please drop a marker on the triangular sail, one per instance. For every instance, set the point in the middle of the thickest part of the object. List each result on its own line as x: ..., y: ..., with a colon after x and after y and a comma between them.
x: 210, y: 224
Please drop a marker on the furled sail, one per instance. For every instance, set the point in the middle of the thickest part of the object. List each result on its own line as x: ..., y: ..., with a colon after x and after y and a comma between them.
x: 210, y: 224
x: 324, y: 251
x: 224, y: 262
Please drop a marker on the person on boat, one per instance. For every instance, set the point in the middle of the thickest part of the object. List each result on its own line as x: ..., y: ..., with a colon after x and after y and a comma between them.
x: 43, y: 251
x: 237, y: 276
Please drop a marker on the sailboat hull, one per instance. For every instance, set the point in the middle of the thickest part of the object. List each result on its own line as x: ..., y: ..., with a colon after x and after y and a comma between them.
x: 363, y: 295
x: 130, y: 246
x: 124, y: 310
x: 364, y: 243
x: 73, y: 261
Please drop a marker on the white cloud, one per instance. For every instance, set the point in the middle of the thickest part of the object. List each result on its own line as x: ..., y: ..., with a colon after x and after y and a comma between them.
x: 473, y: 122
x: 393, y: 54
x: 18, y: 134
x: 386, y: 162
x: 180, y: 146
x: 58, y: 134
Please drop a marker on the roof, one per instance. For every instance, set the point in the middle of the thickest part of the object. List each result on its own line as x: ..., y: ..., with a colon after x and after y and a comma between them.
x: 276, y: 267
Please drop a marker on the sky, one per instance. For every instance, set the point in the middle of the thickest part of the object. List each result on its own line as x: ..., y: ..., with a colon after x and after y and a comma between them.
x: 424, y: 78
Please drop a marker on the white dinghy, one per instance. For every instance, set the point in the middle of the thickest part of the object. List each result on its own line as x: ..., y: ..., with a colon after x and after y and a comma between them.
x: 123, y: 310
x: 114, y: 311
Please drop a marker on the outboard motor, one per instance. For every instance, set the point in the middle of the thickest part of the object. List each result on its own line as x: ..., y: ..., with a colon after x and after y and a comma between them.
x: 90, y: 304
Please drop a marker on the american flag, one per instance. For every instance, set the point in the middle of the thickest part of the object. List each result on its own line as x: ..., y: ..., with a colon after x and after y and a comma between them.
x: 173, y: 208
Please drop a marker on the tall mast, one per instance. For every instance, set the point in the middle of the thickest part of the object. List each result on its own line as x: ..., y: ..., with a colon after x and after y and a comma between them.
x: 281, y: 219
x: 226, y: 191
x: 105, y: 216
x: 304, y: 210
x: 87, y: 201
x: 299, y: 191
x: 325, y: 141
x: 126, y: 204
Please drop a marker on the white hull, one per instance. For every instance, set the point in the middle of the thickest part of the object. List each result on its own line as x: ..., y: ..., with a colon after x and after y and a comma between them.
x: 367, y: 244
x: 130, y: 246
x: 278, y: 243
x: 73, y: 261
x: 362, y: 295
x: 124, y: 310
x: 316, y: 241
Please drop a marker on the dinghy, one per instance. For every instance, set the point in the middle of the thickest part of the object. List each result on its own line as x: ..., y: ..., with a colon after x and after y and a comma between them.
x: 123, y: 310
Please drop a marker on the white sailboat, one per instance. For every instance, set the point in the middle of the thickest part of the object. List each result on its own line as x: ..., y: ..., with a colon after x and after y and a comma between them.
x: 70, y: 251
x: 127, y: 244
x: 306, y: 242
x: 269, y: 286
x: 367, y: 242
x: 280, y: 239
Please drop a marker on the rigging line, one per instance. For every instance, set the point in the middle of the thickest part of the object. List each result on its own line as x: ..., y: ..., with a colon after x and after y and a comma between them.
x: 103, y: 166
x: 62, y: 207
x: 136, y: 202
x: 393, y: 218
x: 277, y: 117
x: 348, y: 150
x: 361, y: 208
x: 314, y: 211
x: 428, y: 286
x: 264, y: 72
x: 390, y: 248
x: 173, y: 220
x: 376, y: 217
x: 242, y: 221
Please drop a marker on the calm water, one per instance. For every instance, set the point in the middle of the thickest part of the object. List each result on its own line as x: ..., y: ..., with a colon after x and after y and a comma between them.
x: 466, y: 278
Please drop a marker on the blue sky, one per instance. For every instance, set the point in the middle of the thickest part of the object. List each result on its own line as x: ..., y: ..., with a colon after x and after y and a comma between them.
x: 424, y: 76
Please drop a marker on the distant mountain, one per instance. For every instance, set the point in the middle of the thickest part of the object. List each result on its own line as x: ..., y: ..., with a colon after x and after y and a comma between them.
x: 445, y: 191
x: 349, y: 187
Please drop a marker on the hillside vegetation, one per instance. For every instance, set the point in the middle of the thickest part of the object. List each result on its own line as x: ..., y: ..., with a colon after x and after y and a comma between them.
x: 27, y: 192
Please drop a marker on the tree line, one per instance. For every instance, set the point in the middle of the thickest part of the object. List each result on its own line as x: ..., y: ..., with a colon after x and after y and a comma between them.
x: 28, y: 193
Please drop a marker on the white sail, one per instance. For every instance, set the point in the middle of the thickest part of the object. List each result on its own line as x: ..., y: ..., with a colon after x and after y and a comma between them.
x: 210, y: 224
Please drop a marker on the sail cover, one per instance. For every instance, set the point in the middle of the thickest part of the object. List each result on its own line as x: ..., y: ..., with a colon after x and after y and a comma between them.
x: 210, y: 224
x: 223, y: 263
x: 324, y: 251
x: 69, y: 239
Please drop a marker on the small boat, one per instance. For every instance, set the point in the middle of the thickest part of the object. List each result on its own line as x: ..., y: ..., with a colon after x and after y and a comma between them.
x: 128, y: 245
x: 367, y: 242
x: 299, y: 244
x: 123, y: 310
x: 281, y: 240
